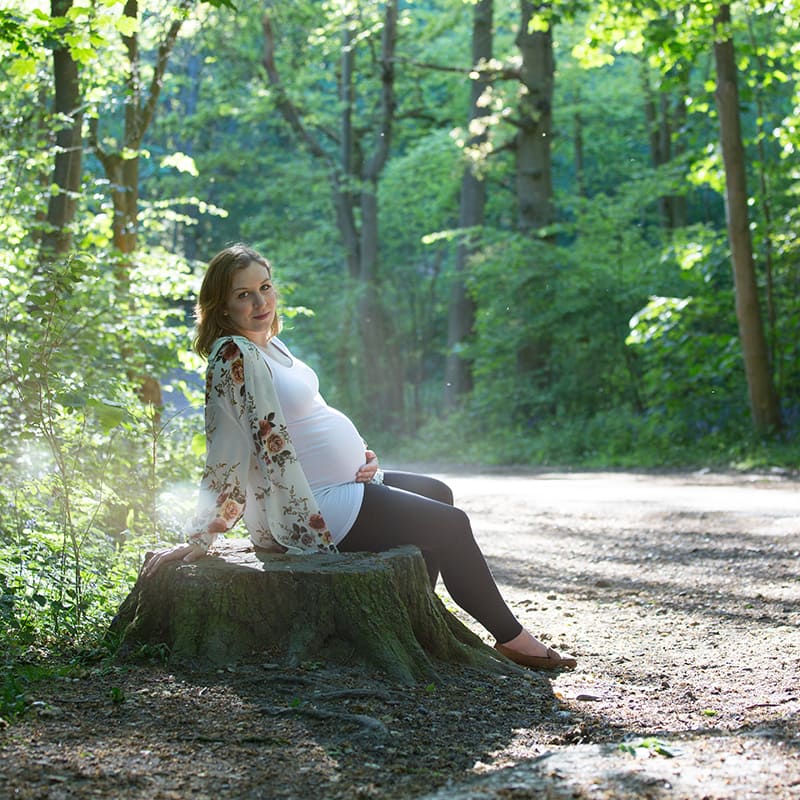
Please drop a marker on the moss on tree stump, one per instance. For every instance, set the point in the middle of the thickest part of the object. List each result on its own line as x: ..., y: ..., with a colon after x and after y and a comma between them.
x: 374, y: 609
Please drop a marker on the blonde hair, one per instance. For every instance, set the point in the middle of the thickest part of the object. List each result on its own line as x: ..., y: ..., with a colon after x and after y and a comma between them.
x: 211, y: 320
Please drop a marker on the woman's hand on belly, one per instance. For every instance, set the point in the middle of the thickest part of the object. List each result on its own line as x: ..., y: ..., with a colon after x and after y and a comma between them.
x: 366, y: 472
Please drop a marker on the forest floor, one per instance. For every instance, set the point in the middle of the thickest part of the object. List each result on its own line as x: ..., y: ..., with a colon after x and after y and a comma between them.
x: 678, y: 593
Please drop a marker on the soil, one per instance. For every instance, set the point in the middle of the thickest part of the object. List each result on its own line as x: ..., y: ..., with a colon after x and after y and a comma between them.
x: 679, y: 595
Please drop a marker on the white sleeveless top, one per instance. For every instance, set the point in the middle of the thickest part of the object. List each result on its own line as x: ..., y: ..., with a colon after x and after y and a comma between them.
x: 327, y: 443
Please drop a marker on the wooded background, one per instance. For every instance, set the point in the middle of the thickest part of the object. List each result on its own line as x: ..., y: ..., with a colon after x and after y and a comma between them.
x: 503, y: 232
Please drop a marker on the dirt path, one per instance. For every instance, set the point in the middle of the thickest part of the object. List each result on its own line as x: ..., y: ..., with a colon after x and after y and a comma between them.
x: 679, y: 594
x: 681, y: 597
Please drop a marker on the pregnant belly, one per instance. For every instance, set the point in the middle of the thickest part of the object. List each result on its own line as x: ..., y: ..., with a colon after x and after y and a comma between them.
x: 329, y: 447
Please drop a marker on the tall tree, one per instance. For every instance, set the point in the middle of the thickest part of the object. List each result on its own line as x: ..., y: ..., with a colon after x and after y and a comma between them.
x: 57, y: 238
x: 461, y: 312
x: 533, y: 153
x: 534, y: 170
x: 354, y: 165
x: 764, y: 405
x: 665, y: 112
x: 121, y: 163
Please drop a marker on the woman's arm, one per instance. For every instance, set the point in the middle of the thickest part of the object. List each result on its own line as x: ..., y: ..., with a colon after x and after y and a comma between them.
x: 223, y: 485
x: 249, y: 453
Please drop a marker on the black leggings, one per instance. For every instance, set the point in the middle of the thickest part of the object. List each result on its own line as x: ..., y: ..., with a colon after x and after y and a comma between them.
x: 418, y: 510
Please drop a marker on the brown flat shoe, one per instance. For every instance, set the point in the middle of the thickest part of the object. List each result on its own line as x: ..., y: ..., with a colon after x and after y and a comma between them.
x: 552, y: 661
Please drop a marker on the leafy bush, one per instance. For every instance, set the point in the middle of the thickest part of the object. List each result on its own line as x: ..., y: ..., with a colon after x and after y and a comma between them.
x: 83, y: 460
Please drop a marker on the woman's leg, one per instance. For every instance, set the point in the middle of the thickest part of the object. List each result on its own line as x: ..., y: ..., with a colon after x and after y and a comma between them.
x: 419, y: 484
x: 431, y: 488
x: 391, y: 516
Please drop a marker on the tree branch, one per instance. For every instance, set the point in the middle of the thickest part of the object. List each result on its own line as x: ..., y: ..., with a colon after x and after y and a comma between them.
x: 164, y: 52
x: 388, y: 42
x: 287, y: 108
x: 485, y: 73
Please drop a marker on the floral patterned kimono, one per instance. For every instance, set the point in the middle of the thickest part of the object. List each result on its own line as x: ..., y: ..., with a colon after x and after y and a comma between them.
x: 252, y: 470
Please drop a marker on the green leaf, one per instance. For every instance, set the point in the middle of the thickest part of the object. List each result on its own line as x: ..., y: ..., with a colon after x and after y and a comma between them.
x: 199, y: 444
x: 127, y: 26
x: 109, y: 414
x: 23, y: 67
x: 71, y: 400
x: 181, y: 162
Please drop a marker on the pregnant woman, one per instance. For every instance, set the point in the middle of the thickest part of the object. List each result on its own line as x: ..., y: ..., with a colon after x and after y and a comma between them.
x: 298, y: 472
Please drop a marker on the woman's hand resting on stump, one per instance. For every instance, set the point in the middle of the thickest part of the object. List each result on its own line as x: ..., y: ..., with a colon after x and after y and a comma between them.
x: 187, y: 553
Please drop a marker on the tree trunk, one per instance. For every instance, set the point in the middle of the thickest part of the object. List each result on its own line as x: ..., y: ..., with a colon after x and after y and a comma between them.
x: 377, y: 610
x: 580, y: 186
x: 533, y: 143
x: 123, y: 174
x: 122, y: 166
x: 535, y: 210
x: 461, y: 312
x: 380, y: 377
x: 678, y: 209
x: 62, y: 205
x: 764, y: 406
x: 663, y: 117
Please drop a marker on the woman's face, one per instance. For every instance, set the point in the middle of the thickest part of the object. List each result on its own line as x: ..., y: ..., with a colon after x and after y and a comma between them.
x: 251, y: 302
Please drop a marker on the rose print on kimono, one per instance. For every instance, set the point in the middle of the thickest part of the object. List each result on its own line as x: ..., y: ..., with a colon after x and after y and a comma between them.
x: 265, y: 426
x: 230, y: 351
x: 237, y: 371
x: 230, y: 511
x: 275, y: 443
x: 317, y: 522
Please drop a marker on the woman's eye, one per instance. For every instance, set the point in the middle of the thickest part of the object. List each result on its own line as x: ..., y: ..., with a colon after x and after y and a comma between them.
x: 266, y: 287
x: 242, y: 295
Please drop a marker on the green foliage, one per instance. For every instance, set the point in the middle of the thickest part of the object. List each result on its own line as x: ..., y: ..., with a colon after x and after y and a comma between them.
x: 83, y: 463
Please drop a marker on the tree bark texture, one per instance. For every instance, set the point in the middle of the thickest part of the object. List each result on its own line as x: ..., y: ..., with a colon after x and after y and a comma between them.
x: 533, y: 143
x: 764, y: 406
x: 461, y: 312
x: 62, y: 205
x: 375, y: 610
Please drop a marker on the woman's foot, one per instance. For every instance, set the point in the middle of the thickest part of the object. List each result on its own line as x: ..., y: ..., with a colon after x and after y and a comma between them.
x: 528, y: 651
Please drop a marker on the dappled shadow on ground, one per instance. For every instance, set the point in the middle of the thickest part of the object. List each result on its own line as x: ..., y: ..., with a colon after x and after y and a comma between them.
x: 254, y: 731
x: 692, y: 572
x: 682, y: 767
x: 684, y: 624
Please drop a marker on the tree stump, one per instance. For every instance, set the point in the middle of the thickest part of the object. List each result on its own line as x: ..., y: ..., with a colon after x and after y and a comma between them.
x: 375, y: 609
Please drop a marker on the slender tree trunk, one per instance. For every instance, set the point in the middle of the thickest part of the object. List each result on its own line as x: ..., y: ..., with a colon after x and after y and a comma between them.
x: 535, y: 209
x: 764, y: 406
x: 766, y: 210
x: 383, y: 367
x: 678, y: 212
x: 580, y: 171
x: 533, y: 143
x: 461, y: 313
x: 62, y: 205
x: 122, y: 166
x: 664, y: 115
x: 381, y: 376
